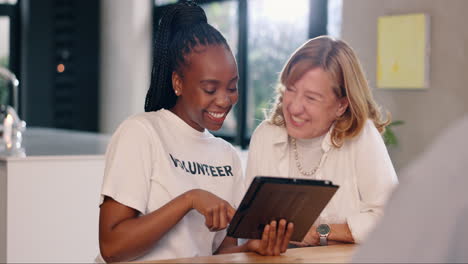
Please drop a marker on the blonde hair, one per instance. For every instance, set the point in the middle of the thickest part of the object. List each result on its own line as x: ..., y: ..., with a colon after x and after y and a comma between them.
x: 339, y: 60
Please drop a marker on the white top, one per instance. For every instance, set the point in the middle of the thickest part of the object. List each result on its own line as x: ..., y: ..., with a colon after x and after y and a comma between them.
x: 154, y: 157
x: 361, y: 167
x: 426, y: 219
x: 310, y: 153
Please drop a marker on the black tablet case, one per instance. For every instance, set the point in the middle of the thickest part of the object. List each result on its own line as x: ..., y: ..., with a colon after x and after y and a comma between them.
x: 273, y: 198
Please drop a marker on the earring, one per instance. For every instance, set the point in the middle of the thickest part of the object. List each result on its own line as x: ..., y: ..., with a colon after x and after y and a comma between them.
x: 177, y: 92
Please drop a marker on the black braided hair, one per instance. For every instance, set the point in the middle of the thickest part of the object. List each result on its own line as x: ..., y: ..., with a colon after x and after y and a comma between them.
x: 182, y: 27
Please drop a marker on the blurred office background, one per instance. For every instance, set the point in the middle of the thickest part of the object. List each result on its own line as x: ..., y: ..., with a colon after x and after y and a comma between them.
x: 85, y: 64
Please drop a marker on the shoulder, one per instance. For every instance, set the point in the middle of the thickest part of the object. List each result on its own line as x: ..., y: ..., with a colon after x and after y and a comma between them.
x: 138, y: 127
x: 146, y: 118
x: 134, y: 123
x: 267, y: 131
x: 368, y: 132
x: 133, y: 135
x: 368, y: 139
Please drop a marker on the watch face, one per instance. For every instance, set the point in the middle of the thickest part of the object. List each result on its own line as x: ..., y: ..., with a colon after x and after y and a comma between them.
x: 323, y: 229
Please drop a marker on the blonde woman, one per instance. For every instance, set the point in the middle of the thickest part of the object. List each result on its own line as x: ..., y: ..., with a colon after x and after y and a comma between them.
x: 326, y: 125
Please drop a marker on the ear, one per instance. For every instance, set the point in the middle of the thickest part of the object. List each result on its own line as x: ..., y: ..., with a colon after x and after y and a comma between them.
x: 343, y: 104
x: 177, y: 83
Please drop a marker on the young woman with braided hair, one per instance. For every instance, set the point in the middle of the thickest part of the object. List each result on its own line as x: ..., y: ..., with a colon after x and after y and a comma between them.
x: 169, y: 185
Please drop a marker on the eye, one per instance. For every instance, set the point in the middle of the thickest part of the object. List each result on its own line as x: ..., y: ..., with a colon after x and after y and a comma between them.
x: 233, y: 90
x: 310, y: 98
x: 290, y: 89
x: 209, y: 88
x: 209, y: 91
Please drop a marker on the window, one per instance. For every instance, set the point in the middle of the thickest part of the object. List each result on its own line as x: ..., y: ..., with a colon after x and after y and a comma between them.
x: 8, y: 47
x: 4, y: 55
x: 273, y: 34
x: 164, y: 2
x: 262, y: 35
x: 334, y: 17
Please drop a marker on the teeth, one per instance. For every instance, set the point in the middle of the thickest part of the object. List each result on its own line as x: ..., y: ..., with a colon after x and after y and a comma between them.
x: 216, y: 115
x: 297, y: 120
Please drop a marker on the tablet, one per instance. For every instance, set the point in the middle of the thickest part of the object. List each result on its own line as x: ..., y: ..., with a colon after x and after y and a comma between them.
x: 272, y: 198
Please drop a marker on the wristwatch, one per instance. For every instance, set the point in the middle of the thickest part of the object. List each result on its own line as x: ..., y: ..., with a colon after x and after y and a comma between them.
x: 323, y: 230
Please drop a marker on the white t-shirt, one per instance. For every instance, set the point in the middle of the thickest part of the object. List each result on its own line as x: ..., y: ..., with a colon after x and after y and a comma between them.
x: 361, y: 167
x: 154, y: 157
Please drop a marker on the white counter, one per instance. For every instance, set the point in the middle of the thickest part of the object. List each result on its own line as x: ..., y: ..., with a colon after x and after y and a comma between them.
x: 40, y: 142
x: 49, y: 199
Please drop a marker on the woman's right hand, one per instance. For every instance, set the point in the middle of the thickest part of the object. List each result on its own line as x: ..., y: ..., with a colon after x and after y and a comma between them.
x: 275, y: 239
x: 217, y: 212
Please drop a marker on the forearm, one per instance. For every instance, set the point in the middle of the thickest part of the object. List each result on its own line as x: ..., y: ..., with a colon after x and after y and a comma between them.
x: 340, y: 233
x: 133, y: 237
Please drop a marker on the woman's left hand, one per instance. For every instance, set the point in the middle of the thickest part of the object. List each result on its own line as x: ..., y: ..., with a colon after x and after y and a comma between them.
x: 275, y: 239
x: 311, y: 238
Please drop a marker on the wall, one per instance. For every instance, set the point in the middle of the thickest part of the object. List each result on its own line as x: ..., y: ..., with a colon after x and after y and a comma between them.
x: 3, y: 211
x: 4, y: 32
x: 125, y: 59
x: 51, y: 215
x: 428, y: 112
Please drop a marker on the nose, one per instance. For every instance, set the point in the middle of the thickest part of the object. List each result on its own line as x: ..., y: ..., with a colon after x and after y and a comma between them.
x: 296, y: 105
x: 224, y: 100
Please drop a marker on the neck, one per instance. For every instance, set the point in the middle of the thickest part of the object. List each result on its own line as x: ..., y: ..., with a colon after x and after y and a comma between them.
x: 179, y: 111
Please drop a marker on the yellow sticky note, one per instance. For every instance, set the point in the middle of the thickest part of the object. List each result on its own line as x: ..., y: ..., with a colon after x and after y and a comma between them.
x: 403, y: 51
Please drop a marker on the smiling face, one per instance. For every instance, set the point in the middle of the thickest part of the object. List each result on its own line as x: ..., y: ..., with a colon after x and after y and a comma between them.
x: 207, y: 89
x: 310, y: 106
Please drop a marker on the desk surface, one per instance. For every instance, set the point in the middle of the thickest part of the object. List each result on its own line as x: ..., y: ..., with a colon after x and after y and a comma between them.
x: 329, y: 254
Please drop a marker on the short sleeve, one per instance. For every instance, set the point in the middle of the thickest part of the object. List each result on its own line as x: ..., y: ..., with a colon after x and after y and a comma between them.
x: 128, y: 166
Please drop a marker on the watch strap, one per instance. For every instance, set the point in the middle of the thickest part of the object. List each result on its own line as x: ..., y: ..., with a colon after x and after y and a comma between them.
x: 323, y: 241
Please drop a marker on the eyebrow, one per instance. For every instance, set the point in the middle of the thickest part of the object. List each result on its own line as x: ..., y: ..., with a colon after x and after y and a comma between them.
x: 213, y: 82
x: 314, y: 93
x: 216, y: 82
x: 307, y: 92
